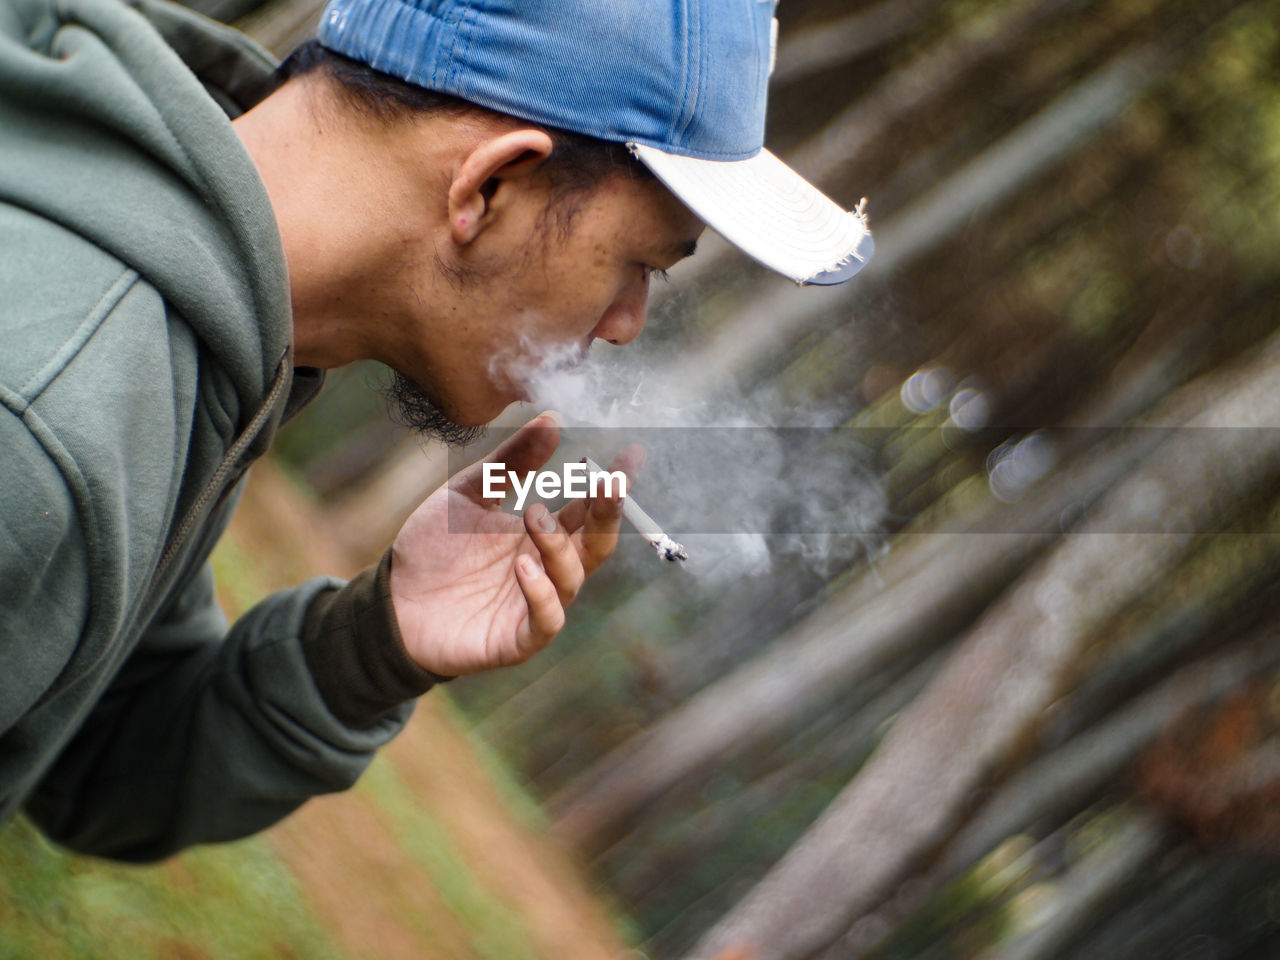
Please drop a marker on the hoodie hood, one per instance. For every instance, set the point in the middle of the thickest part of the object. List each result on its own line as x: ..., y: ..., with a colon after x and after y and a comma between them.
x: 116, y: 123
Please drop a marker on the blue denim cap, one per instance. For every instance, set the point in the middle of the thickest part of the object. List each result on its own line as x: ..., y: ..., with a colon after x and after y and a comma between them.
x: 681, y: 82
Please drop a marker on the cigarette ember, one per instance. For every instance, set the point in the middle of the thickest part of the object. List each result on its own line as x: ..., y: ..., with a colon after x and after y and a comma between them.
x: 645, y: 525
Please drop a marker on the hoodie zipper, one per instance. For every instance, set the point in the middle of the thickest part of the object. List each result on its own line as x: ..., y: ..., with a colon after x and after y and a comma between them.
x: 217, y: 484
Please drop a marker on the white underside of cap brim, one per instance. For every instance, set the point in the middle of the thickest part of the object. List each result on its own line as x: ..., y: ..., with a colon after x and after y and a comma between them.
x: 768, y: 211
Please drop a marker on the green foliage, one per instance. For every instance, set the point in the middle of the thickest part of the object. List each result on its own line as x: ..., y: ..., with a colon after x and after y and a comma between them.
x: 970, y: 914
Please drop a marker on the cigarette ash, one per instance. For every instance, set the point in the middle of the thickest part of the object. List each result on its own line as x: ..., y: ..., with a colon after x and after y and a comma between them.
x: 668, y: 549
x: 742, y: 493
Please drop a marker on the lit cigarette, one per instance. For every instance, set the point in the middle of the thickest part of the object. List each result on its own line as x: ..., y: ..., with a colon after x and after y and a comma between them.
x: 645, y: 525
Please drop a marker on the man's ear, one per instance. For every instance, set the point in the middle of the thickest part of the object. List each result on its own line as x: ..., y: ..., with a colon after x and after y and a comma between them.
x: 503, y: 156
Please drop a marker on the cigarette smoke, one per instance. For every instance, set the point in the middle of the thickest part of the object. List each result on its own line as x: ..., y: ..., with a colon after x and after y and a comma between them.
x: 740, y: 489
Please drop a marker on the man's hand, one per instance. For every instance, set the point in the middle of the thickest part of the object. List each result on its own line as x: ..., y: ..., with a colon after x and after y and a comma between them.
x: 476, y: 588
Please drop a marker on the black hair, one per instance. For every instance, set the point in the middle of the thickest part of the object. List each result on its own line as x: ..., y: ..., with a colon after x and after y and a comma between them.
x: 413, y: 408
x: 577, y: 162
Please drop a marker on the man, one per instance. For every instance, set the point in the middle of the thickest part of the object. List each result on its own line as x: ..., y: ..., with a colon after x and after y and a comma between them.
x: 187, y: 242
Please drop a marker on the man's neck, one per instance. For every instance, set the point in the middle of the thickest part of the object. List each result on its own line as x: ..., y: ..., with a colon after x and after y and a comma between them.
x: 342, y: 204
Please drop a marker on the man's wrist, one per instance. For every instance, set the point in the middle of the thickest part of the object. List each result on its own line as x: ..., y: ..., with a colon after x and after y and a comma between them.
x: 357, y: 657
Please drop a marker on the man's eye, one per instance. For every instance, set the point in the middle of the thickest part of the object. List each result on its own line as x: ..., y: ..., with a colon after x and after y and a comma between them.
x: 659, y: 274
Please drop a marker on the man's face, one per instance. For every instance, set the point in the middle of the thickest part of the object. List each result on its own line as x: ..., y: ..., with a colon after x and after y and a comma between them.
x: 553, y: 276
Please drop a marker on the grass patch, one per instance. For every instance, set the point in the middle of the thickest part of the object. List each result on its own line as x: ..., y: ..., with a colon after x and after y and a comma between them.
x: 495, y: 931
x: 234, y: 901
x: 510, y: 787
x: 238, y: 577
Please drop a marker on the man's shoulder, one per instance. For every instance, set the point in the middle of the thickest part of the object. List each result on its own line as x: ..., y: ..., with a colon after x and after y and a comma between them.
x: 94, y: 362
x: 58, y: 288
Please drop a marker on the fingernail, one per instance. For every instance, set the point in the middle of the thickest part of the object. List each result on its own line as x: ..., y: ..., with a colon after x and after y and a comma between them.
x: 553, y: 416
x: 543, y: 518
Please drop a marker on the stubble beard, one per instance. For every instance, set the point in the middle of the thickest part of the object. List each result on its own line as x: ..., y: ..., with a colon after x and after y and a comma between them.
x: 411, y: 407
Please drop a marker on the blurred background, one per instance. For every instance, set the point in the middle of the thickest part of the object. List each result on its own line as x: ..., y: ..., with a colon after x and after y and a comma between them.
x: 1024, y: 704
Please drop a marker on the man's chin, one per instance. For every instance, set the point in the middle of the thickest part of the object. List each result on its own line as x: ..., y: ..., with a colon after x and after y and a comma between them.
x: 411, y: 407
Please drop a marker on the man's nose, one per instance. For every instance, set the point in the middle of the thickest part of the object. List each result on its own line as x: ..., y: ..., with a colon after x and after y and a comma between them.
x: 624, y: 319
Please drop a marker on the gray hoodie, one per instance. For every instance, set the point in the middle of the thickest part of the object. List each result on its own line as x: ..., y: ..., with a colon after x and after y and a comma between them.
x: 144, y: 362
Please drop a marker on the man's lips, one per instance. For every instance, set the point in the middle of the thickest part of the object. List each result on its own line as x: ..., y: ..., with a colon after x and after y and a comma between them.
x: 573, y: 357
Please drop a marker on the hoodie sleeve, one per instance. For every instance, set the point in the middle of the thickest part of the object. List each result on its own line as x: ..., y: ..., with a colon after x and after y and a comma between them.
x: 357, y: 656
x: 210, y: 734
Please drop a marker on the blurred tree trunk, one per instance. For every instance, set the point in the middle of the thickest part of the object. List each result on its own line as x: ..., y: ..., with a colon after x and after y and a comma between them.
x: 833, y: 154
x: 815, y: 49
x: 1092, y: 891
x: 771, y: 324
x: 1045, y: 793
x: 1006, y: 671
x: 279, y: 25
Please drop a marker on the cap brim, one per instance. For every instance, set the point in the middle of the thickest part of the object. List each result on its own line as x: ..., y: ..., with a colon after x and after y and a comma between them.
x: 768, y: 211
